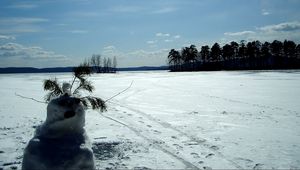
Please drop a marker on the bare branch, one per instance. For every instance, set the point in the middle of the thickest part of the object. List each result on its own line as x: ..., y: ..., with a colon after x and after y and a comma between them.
x: 119, y: 92
x: 30, y: 98
x: 72, y: 83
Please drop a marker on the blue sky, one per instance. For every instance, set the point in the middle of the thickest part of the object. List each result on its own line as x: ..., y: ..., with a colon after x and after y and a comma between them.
x: 47, y: 33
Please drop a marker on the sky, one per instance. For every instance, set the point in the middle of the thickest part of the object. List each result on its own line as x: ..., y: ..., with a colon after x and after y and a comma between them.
x: 56, y: 33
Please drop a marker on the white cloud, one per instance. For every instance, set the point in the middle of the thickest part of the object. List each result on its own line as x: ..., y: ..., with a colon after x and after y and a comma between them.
x: 140, y: 9
x: 265, y: 12
x: 23, y: 29
x: 86, y: 14
x: 126, y: 9
x: 151, y: 42
x: 136, y: 57
x: 62, y: 24
x: 15, y: 50
x: 286, y: 26
x: 281, y: 31
x: 165, y: 10
x: 168, y: 40
x: 177, y: 36
x: 110, y: 51
x: 21, y: 20
x: 148, y: 54
x: 78, y: 31
x: 145, y: 58
x: 10, y: 47
x: 23, y: 6
x: 159, y: 34
x: 13, y: 25
x: 239, y: 33
x: 110, y: 47
x: 18, y: 55
x: 7, y: 37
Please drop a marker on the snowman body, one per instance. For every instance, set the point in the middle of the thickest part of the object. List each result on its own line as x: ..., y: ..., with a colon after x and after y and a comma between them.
x: 61, y: 141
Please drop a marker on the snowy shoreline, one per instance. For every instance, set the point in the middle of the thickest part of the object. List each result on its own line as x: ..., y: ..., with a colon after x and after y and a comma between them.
x: 225, y: 119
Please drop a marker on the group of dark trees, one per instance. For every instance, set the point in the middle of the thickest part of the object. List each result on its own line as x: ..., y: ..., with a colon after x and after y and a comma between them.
x: 237, y: 56
x: 105, y: 65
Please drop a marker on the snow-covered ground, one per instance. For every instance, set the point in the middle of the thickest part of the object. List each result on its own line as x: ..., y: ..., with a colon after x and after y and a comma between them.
x: 236, y: 119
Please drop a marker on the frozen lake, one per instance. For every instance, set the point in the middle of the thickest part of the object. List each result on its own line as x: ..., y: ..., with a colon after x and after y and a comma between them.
x: 225, y: 119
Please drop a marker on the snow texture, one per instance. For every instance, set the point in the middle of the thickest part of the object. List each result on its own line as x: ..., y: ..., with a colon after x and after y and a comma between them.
x: 200, y: 120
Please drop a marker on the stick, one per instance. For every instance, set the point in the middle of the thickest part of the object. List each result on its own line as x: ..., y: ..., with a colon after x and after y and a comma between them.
x: 30, y: 98
x: 72, y: 84
x: 119, y: 92
x: 24, y: 97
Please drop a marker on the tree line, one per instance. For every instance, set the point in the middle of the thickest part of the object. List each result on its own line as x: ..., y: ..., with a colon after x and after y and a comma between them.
x: 102, y: 65
x: 237, y: 56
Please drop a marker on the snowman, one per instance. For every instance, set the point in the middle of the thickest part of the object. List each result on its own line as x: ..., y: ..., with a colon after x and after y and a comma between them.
x: 61, y: 141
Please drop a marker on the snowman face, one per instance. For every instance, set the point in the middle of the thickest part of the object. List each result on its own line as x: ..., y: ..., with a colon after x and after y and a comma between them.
x: 63, y: 108
x: 71, y: 103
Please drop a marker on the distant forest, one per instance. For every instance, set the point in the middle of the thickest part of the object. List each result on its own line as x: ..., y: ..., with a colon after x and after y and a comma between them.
x: 237, y: 56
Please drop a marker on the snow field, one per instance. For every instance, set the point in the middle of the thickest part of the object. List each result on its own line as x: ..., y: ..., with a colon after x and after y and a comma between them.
x: 201, y: 120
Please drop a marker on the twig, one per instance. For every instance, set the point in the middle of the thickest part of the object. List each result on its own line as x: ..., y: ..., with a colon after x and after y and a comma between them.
x: 72, y: 84
x: 110, y: 118
x: 24, y: 97
x: 30, y: 98
x: 119, y: 92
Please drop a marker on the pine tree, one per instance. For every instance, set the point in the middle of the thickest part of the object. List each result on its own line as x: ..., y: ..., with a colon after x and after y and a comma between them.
x: 80, y: 74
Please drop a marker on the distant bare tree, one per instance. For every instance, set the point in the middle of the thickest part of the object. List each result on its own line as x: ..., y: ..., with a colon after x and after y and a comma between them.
x: 105, y: 67
x: 95, y: 62
x: 114, y: 64
x: 109, y: 69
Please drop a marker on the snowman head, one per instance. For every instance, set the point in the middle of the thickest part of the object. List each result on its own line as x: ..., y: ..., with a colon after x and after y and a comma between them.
x: 65, y: 114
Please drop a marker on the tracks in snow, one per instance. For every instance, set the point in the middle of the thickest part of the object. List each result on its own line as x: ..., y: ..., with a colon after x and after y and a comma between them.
x: 262, y: 106
x: 188, y: 164
x: 196, y: 143
x: 251, y: 104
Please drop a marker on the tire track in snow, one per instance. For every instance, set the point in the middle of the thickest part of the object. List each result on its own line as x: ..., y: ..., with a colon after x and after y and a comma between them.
x: 199, y: 141
x: 188, y: 164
